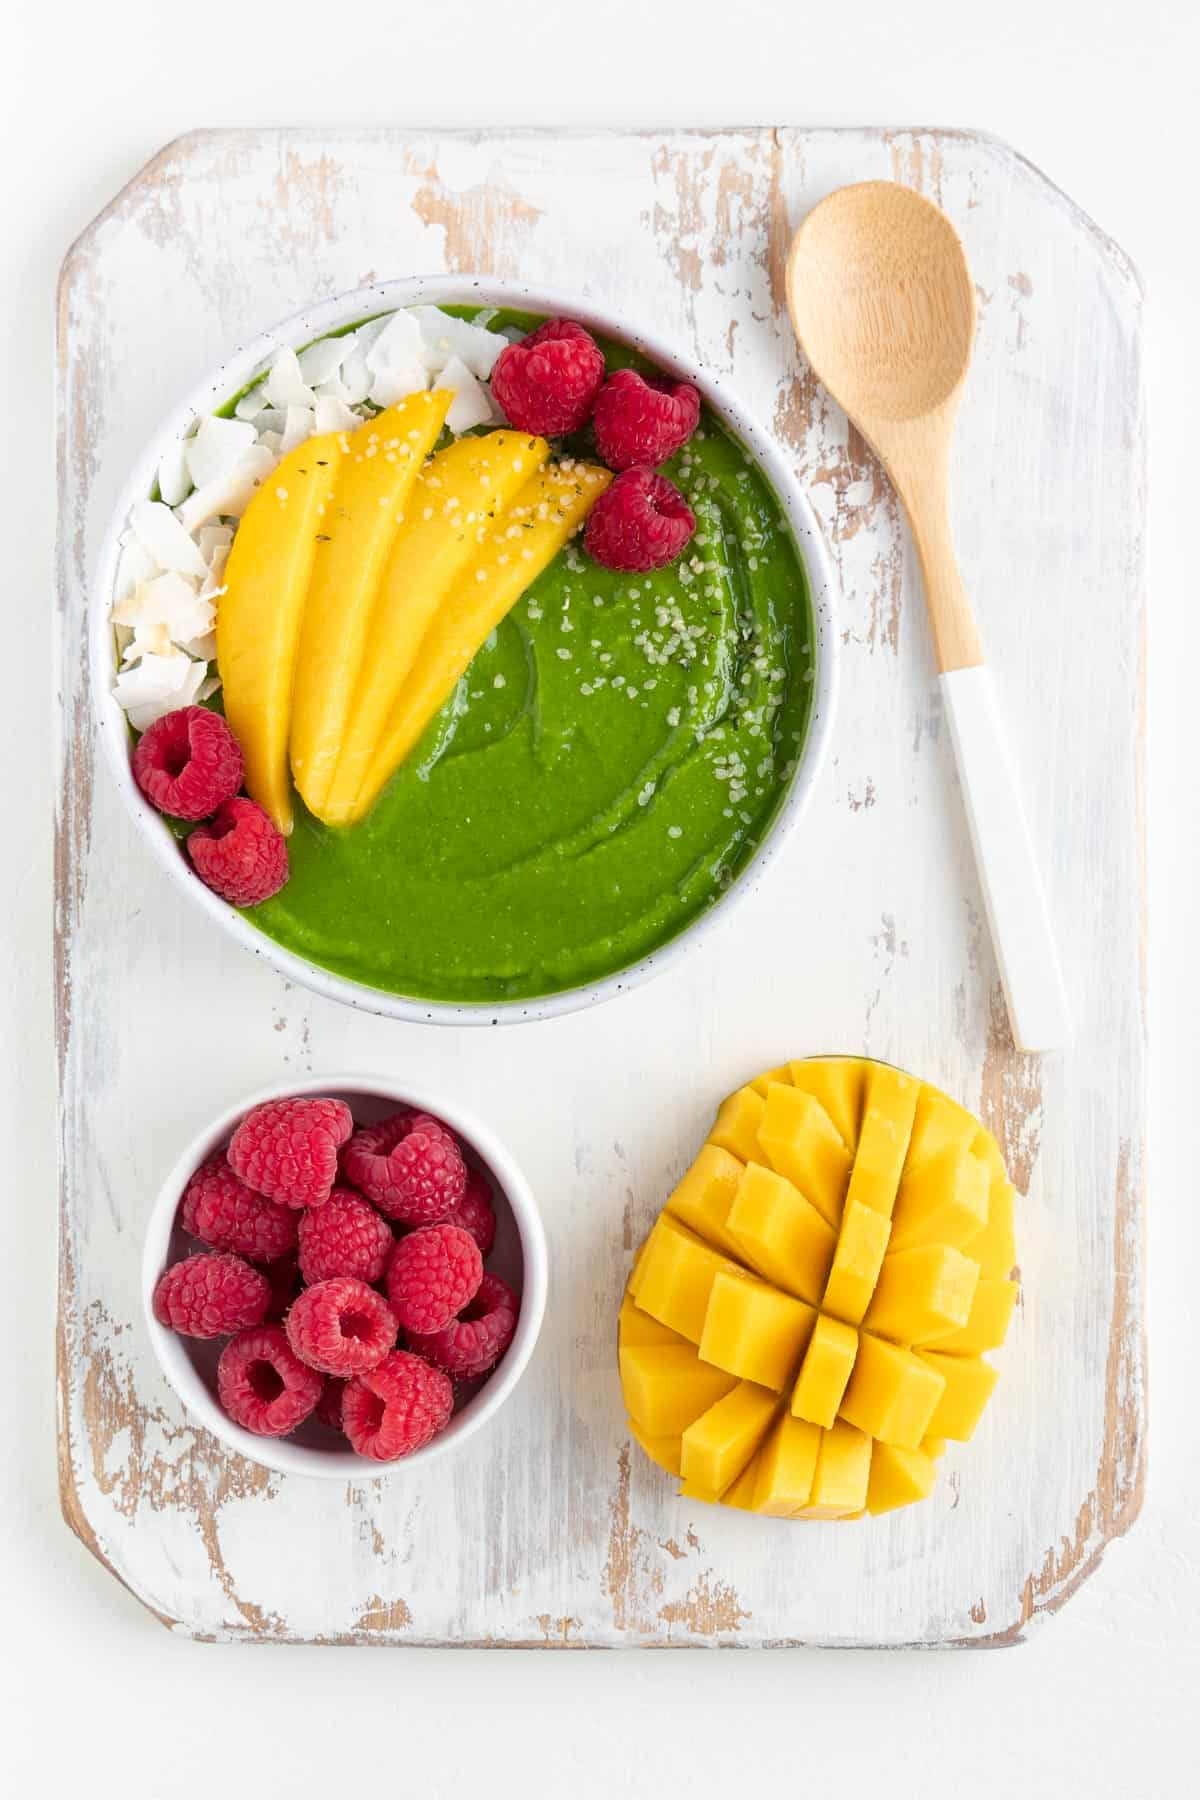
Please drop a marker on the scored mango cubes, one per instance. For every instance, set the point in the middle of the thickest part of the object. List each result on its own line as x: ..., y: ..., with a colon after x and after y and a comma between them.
x: 808, y: 1321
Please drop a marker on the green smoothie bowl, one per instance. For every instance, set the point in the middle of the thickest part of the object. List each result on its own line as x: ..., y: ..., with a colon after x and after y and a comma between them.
x: 464, y: 663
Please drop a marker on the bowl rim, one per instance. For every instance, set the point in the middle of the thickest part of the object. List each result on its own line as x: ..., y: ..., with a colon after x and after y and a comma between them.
x: 278, y: 1454
x: 314, y: 321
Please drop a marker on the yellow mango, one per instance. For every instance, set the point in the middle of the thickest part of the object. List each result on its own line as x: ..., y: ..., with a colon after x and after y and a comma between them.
x: 676, y: 1277
x: 888, y: 1111
x: 841, y: 1476
x: 780, y: 1234
x: 718, y: 1445
x: 665, y: 1451
x: 802, y: 1143
x: 898, y: 1477
x: 969, y: 1383
x: 741, y: 1492
x: 995, y: 1249
x: 985, y: 1147
x: 825, y: 1371
x: 891, y: 1394
x: 666, y: 1386
x: 934, y: 1447
x: 375, y: 479
x: 762, y: 1082
x: 261, y: 610
x: 944, y: 1201
x: 987, y: 1324
x: 704, y: 1196
x: 754, y: 1331
x: 857, y: 1260
x: 839, y: 1083
x: 456, y: 496
x: 922, y: 1294
x: 785, y: 1467
x: 635, y: 1274
x: 736, y: 1125
x: 940, y: 1123
x: 636, y: 1327
x: 524, y: 540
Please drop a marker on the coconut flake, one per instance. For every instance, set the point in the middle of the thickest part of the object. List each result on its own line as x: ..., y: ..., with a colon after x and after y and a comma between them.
x: 251, y: 403
x: 134, y: 565
x: 446, y: 336
x: 174, y: 477
x: 216, y: 447
x: 171, y: 601
x: 398, y: 345
x: 285, y: 386
x: 471, y: 404
x: 157, y: 685
x: 390, y: 385
x: 145, y: 640
x: 297, y: 429
x: 356, y: 378
x: 165, y: 538
x: 210, y: 539
x: 333, y: 414
x: 322, y: 360
x: 231, y: 495
x: 271, y: 418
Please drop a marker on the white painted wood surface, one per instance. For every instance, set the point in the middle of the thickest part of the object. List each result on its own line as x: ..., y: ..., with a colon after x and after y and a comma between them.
x: 868, y: 934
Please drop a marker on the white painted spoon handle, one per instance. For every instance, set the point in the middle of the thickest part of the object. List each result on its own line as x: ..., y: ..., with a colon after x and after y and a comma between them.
x: 1012, y: 888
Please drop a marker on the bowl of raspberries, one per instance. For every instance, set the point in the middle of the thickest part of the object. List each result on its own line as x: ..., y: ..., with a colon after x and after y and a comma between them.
x: 340, y: 1277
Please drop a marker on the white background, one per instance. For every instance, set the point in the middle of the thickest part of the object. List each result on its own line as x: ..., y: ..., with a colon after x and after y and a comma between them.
x: 94, y: 1696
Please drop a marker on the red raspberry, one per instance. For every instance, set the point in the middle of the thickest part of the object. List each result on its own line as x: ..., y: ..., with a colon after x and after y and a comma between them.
x: 641, y: 522
x: 284, y: 1277
x: 432, y: 1275
x: 396, y: 1408
x: 341, y: 1326
x: 344, y: 1236
x: 475, y: 1341
x: 209, y: 1295
x: 643, y: 418
x: 262, y: 1383
x: 329, y: 1406
x: 188, y: 763
x: 549, y: 381
x: 474, y: 1212
x: 240, y: 854
x: 222, y: 1211
x: 288, y: 1149
x: 410, y: 1166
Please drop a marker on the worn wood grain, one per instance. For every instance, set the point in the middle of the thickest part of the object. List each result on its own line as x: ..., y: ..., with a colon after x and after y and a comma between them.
x: 551, y: 1531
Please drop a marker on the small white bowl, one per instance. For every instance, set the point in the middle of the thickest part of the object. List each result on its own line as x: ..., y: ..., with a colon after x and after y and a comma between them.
x: 519, y: 1257
x: 439, y: 290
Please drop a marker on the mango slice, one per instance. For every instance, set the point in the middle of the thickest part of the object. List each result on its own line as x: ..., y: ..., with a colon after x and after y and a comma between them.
x: 260, y: 614
x: 841, y: 1476
x: 785, y: 1467
x: 802, y: 1143
x: 839, y: 1083
x: 703, y: 1198
x: 825, y: 1371
x: 718, y: 1445
x: 754, y: 1331
x: 665, y: 1451
x: 667, y: 1386
x: 891, y: 1394
x: 857, y: 1260
x: 524, y: 540
x: 943, y: 1201
x: 676, y: 1277
x: 987, y: 1324
x: 457, y: 495
x: 781, y: 1234
x: 637, y: 1327
x: 898, y: 1478
x: 969, y: 1383
x: 995, y: 1249
x: 890, y: 1107
x: 735, y: 1127
x: 741, y: 1493
x: 940, y: 1124
x: 762, y: 1082
x: 375, y: 479
x: 922, y: 1294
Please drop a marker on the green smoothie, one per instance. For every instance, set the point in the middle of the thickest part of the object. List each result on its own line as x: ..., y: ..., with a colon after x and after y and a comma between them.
x: 610, y: 761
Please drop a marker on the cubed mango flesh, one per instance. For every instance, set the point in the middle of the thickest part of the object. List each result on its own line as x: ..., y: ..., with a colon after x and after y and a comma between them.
x: 762, y: 1082
x: 944, y: 1201
x: 665, y: 1451
x: 676, y: 1276
x: 891, y: 1394
x: 969, y: 1383
x: 888, y: 1111
x: 995, y: 1249
x: 922, y: 1294
x: 802, y: 1142
x: 987, y: 1326
x: 666, y: 1386
x: 754, y: 1331
x: 735, y: 1127
x: 780, y: 1233
x: 703, y: 1198
x: 898, y: 1478
x: 740, y: 1494
x: 839, y: 1083
x: 637, y: 1327
x: 718, y: 1445
x: 940, y: 1124
x: 861, y: 1246
x: 786, y: 1465
x: 825, y: 1371
x: 842, y: 1474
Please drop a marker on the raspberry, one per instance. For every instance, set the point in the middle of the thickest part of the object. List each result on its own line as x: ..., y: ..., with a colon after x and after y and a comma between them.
x: 432, y: 1275
x: 262, y: 1383
x: 222, y: 1211
x: 474, y: 1212
x: 209, y: 1295
x: 188, y: 763
x: 288, y: 1149
x: 396, y: 1408
x: 329, y: 1406
x: 344, y: 1236
x: 643, y: 418
x: 341, y: 1326
x: 409, y: 1165
x: 240, y: 854
x: 641, y: 522
x: 475, y: 1341
x: 548, y: 382
x: 284, y: 1277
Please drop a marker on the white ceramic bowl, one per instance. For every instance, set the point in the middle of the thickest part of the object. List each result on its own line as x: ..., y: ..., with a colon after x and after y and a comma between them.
x: 519, y: 1257
x: 314, y: 322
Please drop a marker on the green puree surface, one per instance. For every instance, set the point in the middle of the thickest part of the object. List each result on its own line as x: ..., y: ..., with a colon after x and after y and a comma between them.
x: 609, y: 762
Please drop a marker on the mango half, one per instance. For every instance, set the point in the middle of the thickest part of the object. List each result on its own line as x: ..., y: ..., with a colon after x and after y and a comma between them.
x: 809, y: 1318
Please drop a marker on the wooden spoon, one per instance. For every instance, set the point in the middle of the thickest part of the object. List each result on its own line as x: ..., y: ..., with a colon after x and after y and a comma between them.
x: 884, y: 307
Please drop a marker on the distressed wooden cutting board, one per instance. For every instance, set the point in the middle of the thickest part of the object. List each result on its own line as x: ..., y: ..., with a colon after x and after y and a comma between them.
x: 867, y: 936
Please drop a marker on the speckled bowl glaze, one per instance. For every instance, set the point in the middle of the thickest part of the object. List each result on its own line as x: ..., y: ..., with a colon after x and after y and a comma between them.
x: 314, y: 322
x: 519, y: 1257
